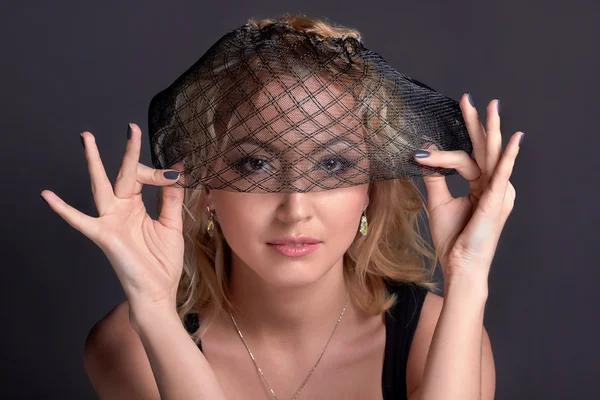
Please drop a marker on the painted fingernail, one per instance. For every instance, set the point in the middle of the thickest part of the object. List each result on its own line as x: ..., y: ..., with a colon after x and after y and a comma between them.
x: 521, y: 139
x: 498, y: 107
x: 128, y: 131
x: 171, y: 174
x: 82, y: 141
x: 470, y: 99
x: 421, y: 153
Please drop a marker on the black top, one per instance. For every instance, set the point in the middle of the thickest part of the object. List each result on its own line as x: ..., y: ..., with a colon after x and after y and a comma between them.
x: 400, y: 325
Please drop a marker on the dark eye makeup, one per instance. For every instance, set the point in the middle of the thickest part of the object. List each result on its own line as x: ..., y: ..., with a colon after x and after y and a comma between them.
x: 332, y: 164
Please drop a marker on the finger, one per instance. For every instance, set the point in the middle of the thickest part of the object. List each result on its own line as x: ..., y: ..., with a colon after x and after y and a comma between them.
x: 476, y: 131
x: 171, y: 204
x: 150, y: 176
x: 464, y: 164
x: 101, y: 187
x: 499, y: 182
x: 436, y: 184
x: 437, y: 191
x: 494, y: 138
x: 127, y: 176
x: 170, y: 213
x: 509, y: 201
x: 78, y: 220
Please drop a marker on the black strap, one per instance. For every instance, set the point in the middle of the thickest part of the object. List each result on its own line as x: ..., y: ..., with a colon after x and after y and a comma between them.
x: 400, y: 325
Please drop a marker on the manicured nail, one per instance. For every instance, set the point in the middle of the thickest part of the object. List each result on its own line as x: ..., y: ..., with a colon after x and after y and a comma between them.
x: 421, y: 153
x: 128, y: 131
x: 171, y: 174
x: 521, y: 139
x: 498, y: 107
x: 470, y: 99
x: 82, y: 141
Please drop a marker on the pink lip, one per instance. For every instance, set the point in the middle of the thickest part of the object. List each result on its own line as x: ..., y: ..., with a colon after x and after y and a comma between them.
x: 287, y: 240
x: 286, y: 245
x: 295, y: 251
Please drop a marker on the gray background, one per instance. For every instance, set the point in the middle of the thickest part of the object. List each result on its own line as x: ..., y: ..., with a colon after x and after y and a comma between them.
x: 71, y: 66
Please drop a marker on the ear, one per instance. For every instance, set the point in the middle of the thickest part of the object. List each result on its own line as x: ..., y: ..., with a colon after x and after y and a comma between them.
x: 366, y: 202
x: 209, y: 200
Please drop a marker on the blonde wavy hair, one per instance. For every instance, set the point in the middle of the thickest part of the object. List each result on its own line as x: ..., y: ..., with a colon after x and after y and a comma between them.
x: 394, y: 248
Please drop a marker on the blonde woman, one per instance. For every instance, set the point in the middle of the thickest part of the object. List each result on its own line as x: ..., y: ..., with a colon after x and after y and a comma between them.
x: 301, y: 294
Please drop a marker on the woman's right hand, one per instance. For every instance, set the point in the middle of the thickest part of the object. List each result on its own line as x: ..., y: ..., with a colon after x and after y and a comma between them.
x: 146, y: 254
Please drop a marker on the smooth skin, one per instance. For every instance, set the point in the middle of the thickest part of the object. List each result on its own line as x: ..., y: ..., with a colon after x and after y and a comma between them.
x: 466, y: 230
x: 146, y: 254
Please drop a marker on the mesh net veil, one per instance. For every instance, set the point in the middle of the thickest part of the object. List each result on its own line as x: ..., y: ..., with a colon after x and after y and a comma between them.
x: 275, y: 109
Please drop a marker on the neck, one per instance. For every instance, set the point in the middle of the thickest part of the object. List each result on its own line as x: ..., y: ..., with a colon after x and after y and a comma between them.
x: 287, y: 315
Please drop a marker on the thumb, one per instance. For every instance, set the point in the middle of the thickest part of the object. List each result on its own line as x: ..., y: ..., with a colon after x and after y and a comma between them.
x: 172, y: 199
x: 437, y: 187
x: 150, y: 176
x: 170, y: 212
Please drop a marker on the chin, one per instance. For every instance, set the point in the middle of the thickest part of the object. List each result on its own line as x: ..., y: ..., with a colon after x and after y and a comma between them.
x: 283, y: 272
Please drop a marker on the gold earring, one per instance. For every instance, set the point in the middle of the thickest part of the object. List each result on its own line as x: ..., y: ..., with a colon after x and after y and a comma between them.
x: 364, y: 225
x: 210, y: 227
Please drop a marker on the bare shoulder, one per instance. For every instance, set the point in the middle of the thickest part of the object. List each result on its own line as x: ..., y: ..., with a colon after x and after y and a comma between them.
x: 419, y: 349
x: 111, y: 328
x: 115, y: 359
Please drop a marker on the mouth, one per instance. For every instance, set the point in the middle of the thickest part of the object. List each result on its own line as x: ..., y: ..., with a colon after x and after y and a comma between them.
x: 295, y: 241
x: 295, y: 249
x: 295, y: 246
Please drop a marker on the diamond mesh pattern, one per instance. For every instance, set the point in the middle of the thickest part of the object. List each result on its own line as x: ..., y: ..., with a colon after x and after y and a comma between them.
x: 274, y: 109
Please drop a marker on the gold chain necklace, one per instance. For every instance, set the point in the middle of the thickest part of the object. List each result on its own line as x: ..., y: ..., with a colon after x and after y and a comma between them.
x: 311, y: 371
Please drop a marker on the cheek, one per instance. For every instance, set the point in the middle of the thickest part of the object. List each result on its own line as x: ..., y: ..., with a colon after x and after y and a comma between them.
x: 342, y: 223
x: 240, y: 222
x: 340, y: 214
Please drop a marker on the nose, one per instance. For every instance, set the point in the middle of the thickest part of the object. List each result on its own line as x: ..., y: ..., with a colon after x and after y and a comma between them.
x: 294, y: 207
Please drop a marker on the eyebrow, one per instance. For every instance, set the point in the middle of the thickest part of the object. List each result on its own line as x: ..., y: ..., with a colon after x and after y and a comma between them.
x: 271, y: 149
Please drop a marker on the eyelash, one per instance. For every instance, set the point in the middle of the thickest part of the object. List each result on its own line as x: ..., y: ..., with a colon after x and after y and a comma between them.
x: 239, y: 165
x: 345, y: 164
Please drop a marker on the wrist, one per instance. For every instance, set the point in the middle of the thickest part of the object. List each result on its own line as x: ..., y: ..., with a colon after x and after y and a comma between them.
x: 143, y: 314
x: 468, y: 286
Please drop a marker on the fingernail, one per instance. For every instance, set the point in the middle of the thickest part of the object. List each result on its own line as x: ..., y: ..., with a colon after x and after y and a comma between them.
x: 421, y: 153
x: 470, y: 99
x: 521, y: 139
x: 82, y: 141
x: 44, y: 199
x: 498, y: 107
x: 171, y: 174
x: 129, y: 131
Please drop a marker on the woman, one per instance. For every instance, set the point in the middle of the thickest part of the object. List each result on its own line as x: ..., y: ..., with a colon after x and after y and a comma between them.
x: 298, y: 294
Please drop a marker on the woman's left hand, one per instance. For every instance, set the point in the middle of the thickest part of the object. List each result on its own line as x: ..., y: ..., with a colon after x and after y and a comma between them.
x: 466, y: 230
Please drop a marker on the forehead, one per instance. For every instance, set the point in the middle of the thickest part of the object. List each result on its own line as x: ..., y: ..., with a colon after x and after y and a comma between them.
x: 310, y: 133
x: 297, y: 112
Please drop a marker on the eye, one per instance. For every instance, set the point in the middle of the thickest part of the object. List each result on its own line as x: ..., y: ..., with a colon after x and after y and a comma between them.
x: 250, y: 164
x: 336, y: 164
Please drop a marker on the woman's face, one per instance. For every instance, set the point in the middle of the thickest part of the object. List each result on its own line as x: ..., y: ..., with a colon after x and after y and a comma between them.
x: 251, y: 222
x: 331, y: 138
